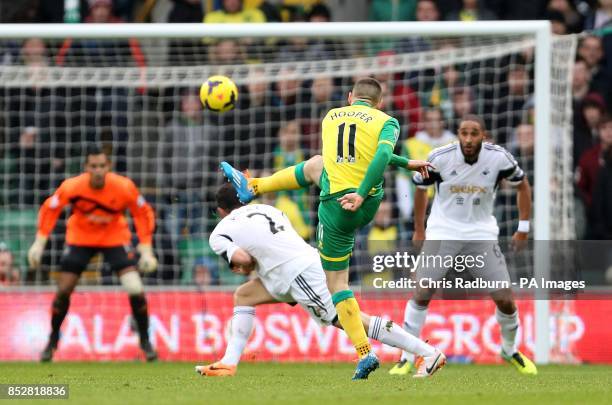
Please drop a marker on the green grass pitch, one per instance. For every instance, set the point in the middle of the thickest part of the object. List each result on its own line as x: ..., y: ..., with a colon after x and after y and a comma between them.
x: 272, y: 383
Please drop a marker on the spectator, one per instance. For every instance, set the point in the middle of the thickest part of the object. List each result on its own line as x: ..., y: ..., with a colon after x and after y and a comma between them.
x: 256, y: 123
x: 601, y: 212
x: 571, y: 17
x: 592, y: 160
x: 98, y: 53
x: 581, y: 83
x: 599, y: 17
x: 29, y: 179
x: 9, y: 275
x: 226, y: 52
x: 287, y: 96
x: 433, y: 135
x: 294, y: 203
x: 587, y: 126
x: 383, y: 235
x: 103, y: 108
x: 507, y: 111
x: 324, y: 97
x: 34, y: 55
x: 232, y: 11
x: 591, y: 51
x: 558, y: 25
x: 472, y: 10
x: 41, y: 106
x: 205, y: 272
x: 402, y: 100
x: 426, y: 10
x: 436, y: 86
x: 187, y: 168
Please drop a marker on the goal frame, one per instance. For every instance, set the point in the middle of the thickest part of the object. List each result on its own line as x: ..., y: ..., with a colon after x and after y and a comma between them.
x: 541, y: 30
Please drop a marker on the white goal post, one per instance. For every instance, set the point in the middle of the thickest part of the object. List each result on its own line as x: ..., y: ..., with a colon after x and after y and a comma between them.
x: 543, y: 66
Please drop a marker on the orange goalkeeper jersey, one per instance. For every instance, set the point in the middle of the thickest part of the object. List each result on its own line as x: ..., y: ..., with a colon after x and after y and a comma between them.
x: 98, y: 215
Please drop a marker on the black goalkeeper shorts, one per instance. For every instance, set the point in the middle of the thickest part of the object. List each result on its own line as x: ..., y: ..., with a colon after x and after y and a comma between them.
x: 76, y: 258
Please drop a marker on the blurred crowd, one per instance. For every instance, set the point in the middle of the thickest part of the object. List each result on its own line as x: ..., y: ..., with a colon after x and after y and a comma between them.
x: 276, y: 124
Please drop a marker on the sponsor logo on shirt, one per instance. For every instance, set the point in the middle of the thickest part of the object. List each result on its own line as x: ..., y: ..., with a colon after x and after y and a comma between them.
x: 467, y: 189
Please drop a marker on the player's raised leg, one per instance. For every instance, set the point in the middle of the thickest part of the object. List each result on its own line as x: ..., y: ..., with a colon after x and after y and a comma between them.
x: 290, y: 178
x: 506, y: 314
x: 246, y: 297
x: 298, y: 176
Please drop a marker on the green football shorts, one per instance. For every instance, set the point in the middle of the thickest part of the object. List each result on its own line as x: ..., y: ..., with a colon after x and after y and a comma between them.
x: 337, y: 228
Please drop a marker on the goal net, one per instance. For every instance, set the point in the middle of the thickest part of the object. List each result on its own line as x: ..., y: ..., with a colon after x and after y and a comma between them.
x: 138, y: 98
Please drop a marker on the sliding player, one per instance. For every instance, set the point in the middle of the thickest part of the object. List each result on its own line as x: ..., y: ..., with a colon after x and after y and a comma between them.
x: 260, y: 236
x: 358, y: 143
x: 467, y: 175
x: 97, y: 224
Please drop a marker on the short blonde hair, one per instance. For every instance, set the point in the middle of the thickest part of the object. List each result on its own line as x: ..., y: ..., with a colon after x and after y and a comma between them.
x: 367, y: 89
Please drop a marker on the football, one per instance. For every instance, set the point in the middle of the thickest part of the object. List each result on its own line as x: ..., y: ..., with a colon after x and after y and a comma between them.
x: 219, y: 93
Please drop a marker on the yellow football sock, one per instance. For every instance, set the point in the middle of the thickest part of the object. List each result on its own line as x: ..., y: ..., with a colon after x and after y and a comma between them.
x: 349, y: 316
x: 289, y: 178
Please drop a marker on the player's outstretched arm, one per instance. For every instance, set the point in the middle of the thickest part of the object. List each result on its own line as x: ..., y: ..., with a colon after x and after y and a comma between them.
x: 421, y: 166
x: 48, y: 214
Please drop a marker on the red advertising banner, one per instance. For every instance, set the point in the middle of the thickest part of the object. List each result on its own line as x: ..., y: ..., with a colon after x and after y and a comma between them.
x: 190, y: 326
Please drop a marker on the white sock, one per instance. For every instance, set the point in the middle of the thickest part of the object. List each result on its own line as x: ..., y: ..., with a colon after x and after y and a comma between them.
x: 389, y: 333
x: 509, y: 325
x: 240, y: 331
x: 414, y: 319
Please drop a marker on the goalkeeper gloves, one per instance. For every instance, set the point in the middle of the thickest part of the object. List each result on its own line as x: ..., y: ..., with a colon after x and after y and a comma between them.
x: 147, y: 262
x: 36, y: 251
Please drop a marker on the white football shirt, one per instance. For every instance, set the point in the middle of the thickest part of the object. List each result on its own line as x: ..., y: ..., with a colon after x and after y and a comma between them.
x: 465, y: 193
x: 267, y: 235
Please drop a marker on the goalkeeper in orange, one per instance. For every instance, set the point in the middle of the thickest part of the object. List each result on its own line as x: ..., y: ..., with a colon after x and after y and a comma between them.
x: 97, y: 224
x: 358, y: 143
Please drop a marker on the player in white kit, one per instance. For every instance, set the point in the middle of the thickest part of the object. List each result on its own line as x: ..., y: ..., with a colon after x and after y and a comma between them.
x: 259, y: 237
x: 466, y: 176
